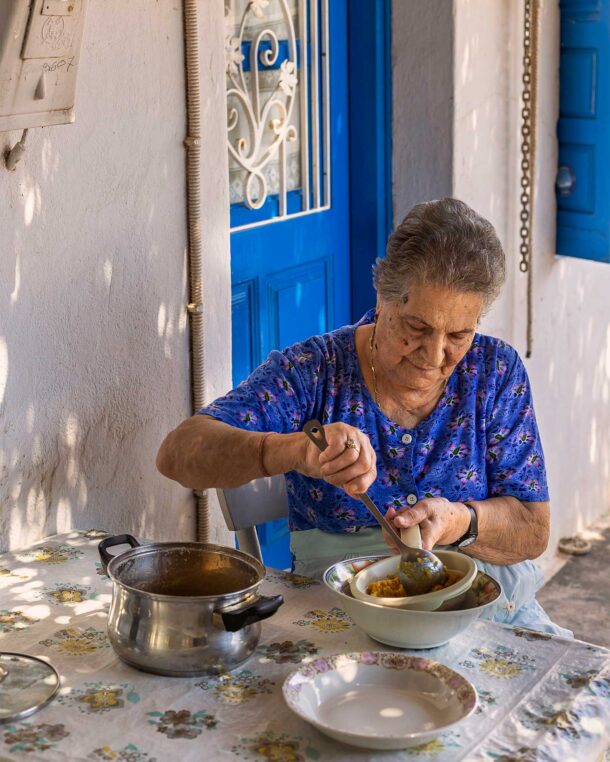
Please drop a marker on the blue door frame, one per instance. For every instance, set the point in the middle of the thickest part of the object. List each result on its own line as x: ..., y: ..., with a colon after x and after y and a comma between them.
x: 370, y: 117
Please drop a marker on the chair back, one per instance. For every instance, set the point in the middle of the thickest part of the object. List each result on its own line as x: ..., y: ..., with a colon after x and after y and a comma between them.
x: 256, y: 502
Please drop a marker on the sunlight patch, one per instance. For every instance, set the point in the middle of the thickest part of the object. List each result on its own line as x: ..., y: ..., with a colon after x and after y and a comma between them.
x: 15, y: 293
x: 3, y: 367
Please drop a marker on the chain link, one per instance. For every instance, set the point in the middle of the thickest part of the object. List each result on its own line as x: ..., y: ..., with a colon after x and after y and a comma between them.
x: 528, y: 154
x: 528, y: 130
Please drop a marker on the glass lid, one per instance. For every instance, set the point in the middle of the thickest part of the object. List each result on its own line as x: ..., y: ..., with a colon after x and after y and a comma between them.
x: 26, y: 685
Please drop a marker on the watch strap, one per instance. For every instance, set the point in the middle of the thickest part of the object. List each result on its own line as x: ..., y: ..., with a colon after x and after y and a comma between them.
x: 472, y: 532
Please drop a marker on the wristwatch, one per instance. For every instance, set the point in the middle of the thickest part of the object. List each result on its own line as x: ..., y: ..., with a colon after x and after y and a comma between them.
x: 472, y: 532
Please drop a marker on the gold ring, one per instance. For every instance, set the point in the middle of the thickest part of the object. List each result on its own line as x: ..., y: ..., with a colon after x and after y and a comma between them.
x: 351, y: 445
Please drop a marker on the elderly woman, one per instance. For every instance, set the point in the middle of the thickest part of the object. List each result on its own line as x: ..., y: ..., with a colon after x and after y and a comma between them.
x: 434, y: 420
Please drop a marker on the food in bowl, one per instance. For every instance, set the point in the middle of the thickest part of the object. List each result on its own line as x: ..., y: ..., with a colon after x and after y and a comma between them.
x: 429, y: 601
x: 392, y: 587
x: 409, y: 628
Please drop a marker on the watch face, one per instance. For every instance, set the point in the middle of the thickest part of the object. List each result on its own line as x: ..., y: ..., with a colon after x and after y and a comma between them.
x: 467, y: 541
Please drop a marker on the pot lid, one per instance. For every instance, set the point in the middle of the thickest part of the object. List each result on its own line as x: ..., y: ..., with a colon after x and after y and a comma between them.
x: 27, y: 683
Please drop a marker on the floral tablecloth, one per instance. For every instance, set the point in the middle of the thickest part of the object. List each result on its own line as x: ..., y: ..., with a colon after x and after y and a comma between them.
x: 540, y: 697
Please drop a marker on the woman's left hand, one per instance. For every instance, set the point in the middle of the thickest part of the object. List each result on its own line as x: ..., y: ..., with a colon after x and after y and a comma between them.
x: 441, y: 522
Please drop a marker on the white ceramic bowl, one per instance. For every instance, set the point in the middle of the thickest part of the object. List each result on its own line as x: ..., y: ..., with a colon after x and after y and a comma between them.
x: 407, y: 628
x: 426, y: 601
x: 379, y: 700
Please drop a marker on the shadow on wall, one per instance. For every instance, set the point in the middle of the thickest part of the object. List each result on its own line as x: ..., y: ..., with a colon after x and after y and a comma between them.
x: 482, y: 138
x: 576, y: 396
x: 93, y: 353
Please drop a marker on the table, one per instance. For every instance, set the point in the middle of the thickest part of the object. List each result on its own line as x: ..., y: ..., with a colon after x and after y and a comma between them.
x: 540, y: 697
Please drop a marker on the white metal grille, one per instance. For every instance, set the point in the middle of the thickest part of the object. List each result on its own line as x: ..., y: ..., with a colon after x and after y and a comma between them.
x: 278, y: 119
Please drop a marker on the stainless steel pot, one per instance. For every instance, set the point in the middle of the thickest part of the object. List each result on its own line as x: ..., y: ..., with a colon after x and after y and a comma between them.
x: 184, y: 608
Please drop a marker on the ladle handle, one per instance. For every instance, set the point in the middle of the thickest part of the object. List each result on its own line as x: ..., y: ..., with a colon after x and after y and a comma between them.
x: 380, y: 517
x: 315, y: 431
x: 411, y: 536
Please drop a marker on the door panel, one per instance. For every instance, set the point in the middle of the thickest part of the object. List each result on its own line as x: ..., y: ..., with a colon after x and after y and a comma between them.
x: 244, y: 327
x: 292, y: 294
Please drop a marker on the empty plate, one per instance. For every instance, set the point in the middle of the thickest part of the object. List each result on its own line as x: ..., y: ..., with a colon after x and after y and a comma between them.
x: 379, y: 700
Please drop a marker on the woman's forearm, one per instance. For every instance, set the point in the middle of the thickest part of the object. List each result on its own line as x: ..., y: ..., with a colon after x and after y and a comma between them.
x: 202, y: 453
x: 510, y: 530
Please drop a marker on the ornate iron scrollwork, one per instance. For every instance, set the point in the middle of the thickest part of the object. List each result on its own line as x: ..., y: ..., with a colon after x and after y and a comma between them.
x: 276, y: 55
x: 259, y: 129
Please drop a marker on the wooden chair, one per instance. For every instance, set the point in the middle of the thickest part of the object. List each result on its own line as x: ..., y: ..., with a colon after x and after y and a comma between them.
x: 257, y: 502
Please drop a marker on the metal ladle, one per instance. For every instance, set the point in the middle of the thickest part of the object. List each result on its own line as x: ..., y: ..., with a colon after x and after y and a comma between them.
x: 419, y: 570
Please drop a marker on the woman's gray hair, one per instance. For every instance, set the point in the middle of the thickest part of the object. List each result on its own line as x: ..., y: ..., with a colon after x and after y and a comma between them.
x: 446, y: 243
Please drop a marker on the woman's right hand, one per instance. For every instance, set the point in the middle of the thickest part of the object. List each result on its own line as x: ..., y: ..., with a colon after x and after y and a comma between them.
x: 351, y: 468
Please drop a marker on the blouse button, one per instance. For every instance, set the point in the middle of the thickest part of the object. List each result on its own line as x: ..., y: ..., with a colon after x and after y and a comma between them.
x: 412, y: 498
x: 407, y: 439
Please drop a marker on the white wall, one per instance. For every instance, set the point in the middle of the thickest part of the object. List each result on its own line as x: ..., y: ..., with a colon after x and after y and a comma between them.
x: 93, y: 329
x: 570, y: 365
x: 451, y: 116
x: 481, y: 131
x: 571, y: 359
x: 422, y: 102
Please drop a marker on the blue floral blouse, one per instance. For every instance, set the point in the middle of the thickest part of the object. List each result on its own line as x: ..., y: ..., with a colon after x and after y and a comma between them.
x: 480, y: 441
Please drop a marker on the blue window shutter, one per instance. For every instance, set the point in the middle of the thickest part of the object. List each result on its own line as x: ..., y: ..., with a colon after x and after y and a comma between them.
x: 583, y: 178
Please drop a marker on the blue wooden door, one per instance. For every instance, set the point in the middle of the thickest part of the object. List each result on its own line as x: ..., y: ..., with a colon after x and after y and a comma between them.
x: 290, y: 206
x: 583, y: 177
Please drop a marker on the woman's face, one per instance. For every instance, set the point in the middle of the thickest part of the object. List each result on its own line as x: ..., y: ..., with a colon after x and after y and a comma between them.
x: 419, y: 343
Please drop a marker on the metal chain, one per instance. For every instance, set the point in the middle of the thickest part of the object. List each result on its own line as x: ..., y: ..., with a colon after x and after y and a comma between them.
x: 528, y: 149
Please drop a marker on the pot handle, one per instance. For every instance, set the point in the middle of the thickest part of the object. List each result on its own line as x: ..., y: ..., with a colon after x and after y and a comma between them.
x: 110, y: 542
x: 264, y: 607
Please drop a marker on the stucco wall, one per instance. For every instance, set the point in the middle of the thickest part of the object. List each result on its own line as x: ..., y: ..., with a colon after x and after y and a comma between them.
x: 570, y: 365
x: 451, y: 117
x: 481, y: 132
x: 93, y: 327
x: 422, y: 102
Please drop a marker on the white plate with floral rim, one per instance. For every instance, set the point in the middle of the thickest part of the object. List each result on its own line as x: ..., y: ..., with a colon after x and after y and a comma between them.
x: 379, y: 700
